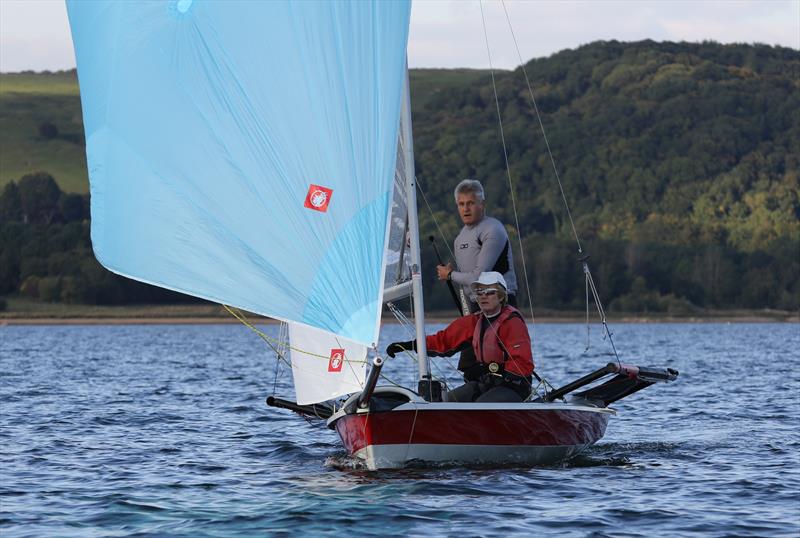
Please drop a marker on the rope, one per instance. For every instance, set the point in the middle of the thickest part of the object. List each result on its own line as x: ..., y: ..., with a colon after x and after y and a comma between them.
x: 278, y: 362
x: 280, y: 345
x: 435, y: 220
x: 272, y: 342
x: 600, y: 310
x: 541, y: 124
x: 508, y: 167
x: 535, y: 107
x: 406, y: 324
x: 411, y: 433
x: 588, y: 339
x: 510, y: 182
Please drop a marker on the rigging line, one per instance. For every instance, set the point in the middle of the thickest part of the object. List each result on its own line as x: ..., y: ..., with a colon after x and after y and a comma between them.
x: 600, y: 310
x: 260, y: 333
x: 269, y: 340
x: 411, y: 433
x: 588, y: 341
x: 349, y: 362
x: 406, y: 324
x: 508, y: 171
x: 283, y: 344
x: 409, y: 327
x: 590, y: 280
x: 413, y: 310
x: 278, y: 362
x: 508, y: 168
x: 541, y: 126
x: 435, y: 221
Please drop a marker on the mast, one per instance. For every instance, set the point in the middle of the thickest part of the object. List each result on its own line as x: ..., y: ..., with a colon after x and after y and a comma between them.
x: 413, y: 228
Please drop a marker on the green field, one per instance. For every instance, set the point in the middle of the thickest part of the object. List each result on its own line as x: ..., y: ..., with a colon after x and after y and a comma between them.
x: 27, y: 100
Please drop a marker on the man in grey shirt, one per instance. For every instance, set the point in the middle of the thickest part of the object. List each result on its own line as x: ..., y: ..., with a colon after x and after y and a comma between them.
x: 481, y: 246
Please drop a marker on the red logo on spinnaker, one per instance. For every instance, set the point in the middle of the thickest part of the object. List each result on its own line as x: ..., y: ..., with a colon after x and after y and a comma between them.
x: 336, y: 361
x: 318, y: 198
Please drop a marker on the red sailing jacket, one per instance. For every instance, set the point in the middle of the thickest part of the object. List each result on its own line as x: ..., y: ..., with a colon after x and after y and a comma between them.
x: 511, y: 332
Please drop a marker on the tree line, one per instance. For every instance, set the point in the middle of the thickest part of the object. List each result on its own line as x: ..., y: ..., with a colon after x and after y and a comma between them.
x: 46, y: 252
x: 679, y: 161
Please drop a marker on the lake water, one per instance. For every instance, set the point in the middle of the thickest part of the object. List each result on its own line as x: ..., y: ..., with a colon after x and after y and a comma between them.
x: 163, y: 430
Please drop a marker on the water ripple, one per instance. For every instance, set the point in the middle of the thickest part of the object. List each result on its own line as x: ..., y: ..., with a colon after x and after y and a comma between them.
x: 141, y: 430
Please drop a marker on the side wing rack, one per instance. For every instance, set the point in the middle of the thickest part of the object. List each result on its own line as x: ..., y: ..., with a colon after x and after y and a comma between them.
x: 319, y: 410
x: 627, y: 379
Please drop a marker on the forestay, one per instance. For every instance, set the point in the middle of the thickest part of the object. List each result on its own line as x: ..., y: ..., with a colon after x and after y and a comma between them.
x: 244, y: 152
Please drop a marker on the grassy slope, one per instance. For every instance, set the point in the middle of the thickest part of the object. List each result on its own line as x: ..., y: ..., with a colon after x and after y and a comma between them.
x: 26, y: 100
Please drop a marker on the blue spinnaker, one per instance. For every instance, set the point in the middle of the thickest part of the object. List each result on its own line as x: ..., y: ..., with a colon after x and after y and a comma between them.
x: 244, y: 152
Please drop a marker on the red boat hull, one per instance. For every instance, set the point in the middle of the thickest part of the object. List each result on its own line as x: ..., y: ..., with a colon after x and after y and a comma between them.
x: 471, y: 433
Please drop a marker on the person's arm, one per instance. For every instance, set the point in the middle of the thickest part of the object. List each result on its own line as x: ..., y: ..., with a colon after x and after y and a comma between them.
x: 493, y: 240
x: 517, y: 343
x: 453, y: 338
x: 450, y: 340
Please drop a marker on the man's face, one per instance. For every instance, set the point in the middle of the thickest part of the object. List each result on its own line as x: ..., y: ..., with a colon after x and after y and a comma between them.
x: 469, y: 208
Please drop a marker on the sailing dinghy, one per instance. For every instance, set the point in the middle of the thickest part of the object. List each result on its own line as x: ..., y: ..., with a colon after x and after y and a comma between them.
x: 259, y: 155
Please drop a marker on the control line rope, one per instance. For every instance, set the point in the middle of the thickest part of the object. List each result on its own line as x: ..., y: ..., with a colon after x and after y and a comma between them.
x: 279, y: 345
x: 272, y: 342
x: 508, y: 167
x: 406, y: 324
x: 589, y: 280
x: 435, y: 220
x: 541, y: 125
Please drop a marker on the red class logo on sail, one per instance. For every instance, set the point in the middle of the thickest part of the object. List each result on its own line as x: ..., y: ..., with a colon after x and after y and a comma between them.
x: 336, y: 361
x: 318, y: 198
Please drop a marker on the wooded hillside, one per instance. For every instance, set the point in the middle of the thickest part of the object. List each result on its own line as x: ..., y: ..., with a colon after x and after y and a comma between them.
x: 680, y: 163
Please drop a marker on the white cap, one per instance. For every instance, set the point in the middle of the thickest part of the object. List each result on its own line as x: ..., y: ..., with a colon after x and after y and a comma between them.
x: 489, y: 278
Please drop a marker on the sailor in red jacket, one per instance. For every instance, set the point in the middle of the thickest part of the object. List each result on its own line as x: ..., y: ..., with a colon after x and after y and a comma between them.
x: 499, y: 337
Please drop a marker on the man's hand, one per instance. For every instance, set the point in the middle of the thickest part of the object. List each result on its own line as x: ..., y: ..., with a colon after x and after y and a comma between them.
x: 444, y: 271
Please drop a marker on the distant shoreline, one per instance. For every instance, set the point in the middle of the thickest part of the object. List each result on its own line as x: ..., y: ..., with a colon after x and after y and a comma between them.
x: 434, y: 318
x: 22, y: 311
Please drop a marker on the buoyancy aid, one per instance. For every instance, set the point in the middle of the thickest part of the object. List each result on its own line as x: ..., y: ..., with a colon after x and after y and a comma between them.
x: 491, y: 349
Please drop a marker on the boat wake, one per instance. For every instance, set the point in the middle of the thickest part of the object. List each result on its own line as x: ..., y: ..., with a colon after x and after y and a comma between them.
x: 605, y: 455
x: 345, y: 462
x: 621, y: 454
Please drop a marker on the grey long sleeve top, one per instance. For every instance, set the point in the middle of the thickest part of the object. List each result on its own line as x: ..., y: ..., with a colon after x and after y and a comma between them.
x: 483, y: 247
